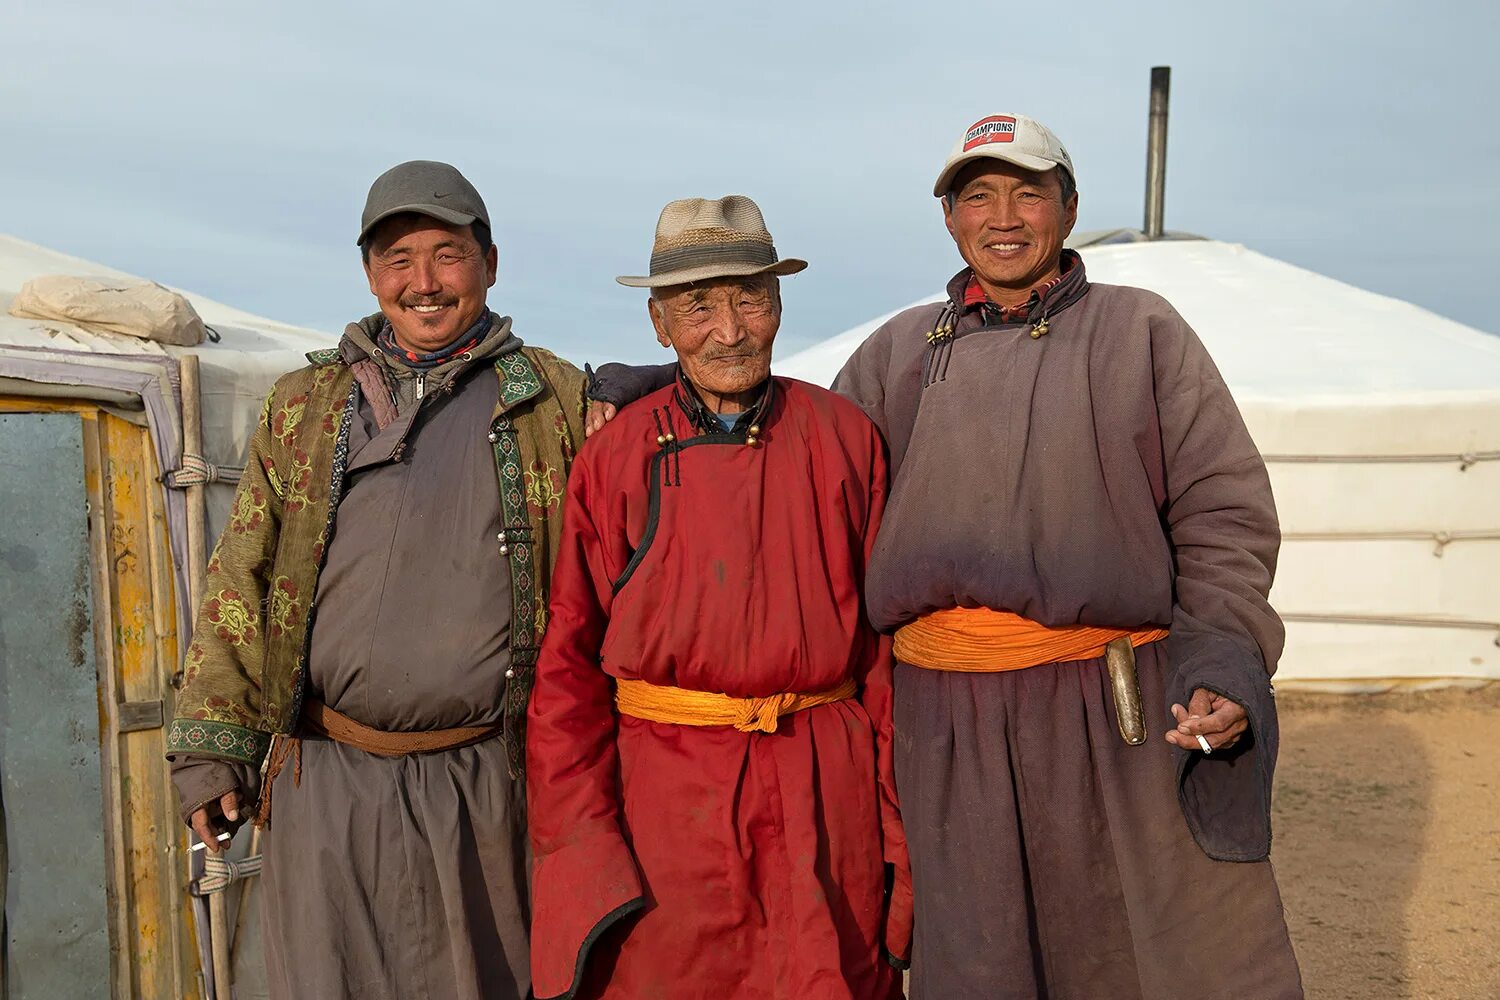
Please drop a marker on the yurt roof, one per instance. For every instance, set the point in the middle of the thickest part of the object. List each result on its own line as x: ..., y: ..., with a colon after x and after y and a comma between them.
x: 140, y: 378
x: 57, y: 357
x: 263, y: 343
x: 1277, y: 331
x: 1380, y: 425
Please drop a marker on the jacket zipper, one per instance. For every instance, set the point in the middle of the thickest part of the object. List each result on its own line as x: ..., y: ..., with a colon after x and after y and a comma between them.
x: 421, y: 384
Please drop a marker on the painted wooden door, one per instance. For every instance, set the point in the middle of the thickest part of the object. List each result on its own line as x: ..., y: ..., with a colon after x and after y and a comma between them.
x: 133, y: 645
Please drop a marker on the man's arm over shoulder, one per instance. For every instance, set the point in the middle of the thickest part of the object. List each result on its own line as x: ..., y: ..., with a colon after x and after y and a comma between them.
x: 620, y: 384
x: 1225, y: 638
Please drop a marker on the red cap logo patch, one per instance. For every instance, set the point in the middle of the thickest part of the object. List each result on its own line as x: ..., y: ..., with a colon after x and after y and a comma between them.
x: 996, y: 128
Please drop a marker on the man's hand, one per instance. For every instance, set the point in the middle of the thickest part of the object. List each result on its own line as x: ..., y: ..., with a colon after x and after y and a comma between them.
x: 209, y: 820
x: 1212, y: 716
x: 600, y: 413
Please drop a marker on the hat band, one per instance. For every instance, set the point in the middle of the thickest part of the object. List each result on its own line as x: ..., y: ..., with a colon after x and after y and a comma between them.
x: 758, y: 254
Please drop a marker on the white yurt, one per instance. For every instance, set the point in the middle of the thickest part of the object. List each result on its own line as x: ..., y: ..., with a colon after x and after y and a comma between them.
x: 1380, y: 425
x: 112, y: 447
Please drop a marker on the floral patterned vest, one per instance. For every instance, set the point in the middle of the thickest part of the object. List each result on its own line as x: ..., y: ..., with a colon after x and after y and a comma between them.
x: 245, y: 670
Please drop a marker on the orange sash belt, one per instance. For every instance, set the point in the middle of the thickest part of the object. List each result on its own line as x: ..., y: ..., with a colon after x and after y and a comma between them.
x: 663, y: 703
x: 978, y: 640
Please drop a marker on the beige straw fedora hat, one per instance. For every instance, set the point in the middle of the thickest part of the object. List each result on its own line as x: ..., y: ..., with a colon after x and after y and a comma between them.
x: 699, y: 238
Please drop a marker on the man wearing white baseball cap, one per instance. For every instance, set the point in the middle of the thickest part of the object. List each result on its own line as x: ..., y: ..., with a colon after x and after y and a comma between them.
x: 1075, y: 557
x: 1075, y: 562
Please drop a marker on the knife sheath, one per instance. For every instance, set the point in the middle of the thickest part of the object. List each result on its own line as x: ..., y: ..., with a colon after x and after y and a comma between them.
x: 1119, y: 656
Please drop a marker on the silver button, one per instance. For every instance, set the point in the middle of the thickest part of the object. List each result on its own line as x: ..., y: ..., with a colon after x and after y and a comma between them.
x: 504, y: 549
x: 510, y: 674
x: 500, y: 537
x: 493, y: 437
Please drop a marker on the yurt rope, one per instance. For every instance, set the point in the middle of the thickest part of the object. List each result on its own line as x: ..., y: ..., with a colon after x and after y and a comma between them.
x: 1440, y: 539
x: 220, y: 873
x: 1337, y: 619
x: 1462, y: 460
x: 198, y: 471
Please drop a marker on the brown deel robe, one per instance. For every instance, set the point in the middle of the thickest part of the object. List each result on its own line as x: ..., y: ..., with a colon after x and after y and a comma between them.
x: 1099, y: 474
x: 396, y: 878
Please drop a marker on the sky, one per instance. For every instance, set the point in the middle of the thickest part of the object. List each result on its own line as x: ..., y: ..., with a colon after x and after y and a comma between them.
x: 228, y: 151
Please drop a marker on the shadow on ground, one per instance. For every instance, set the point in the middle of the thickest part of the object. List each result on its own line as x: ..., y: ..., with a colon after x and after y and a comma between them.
x: 1388, y: 843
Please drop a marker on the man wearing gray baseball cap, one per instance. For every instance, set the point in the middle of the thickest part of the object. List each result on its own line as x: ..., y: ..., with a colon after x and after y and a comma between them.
x: 361, y: 668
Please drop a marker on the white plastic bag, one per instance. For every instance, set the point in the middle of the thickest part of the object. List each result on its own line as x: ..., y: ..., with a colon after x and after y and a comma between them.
x: 118, y: 305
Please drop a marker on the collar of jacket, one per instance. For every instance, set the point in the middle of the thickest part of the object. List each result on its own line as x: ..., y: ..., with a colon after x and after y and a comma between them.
x: 1073, y: 286
x: 359, y: 342
x: 519, y: 379
x: 707, y: 422
x: 466, y: 342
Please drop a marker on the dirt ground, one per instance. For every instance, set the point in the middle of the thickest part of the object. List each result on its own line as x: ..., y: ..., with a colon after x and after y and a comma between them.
x: 1387, y: 845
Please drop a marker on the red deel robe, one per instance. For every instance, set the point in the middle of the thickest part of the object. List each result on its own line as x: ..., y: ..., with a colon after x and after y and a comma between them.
x: 677, y: 861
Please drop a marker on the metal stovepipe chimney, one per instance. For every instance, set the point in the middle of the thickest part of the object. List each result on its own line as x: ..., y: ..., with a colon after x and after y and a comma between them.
x: 1156, y: 152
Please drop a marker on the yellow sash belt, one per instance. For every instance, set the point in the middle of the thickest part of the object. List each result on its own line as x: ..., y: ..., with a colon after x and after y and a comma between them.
x: 976, y: 640
x: 663, y: 703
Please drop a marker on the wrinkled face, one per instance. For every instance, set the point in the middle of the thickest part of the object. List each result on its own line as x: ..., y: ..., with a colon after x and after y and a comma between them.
x: 430, y: 278
x: 721, y: 330
x: 1009, y: 224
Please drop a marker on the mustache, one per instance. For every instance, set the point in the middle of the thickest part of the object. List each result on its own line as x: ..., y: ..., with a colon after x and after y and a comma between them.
x: 743, y: 353
x: 409, y: 301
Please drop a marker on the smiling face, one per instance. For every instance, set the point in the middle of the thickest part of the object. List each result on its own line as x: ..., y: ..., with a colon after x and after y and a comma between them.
x: 430, y: 278
x: 1009, y: 224
x: 722, y: 331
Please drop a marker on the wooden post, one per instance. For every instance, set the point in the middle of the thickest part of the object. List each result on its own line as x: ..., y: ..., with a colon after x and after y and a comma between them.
x: 197, y: 509
x: 197, y: 529
x: 102, y: 583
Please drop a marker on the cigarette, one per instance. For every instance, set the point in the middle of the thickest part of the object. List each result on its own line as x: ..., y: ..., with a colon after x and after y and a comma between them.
x: 1205, y: 744
x: 201, y: 845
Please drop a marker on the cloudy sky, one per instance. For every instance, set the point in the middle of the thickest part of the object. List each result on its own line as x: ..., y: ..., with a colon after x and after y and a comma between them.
x: 228, y: 151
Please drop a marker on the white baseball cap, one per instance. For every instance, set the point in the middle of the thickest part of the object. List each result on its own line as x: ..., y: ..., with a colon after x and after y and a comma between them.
x: 1012, y: 138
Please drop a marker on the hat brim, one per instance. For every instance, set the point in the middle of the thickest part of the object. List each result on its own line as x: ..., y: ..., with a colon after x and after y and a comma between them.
x: 993, y: 151
x: 705, y: 272
x: 437, y: 212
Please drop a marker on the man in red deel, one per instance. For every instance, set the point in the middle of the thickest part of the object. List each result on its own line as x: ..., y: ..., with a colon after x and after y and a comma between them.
x: 712, y: 809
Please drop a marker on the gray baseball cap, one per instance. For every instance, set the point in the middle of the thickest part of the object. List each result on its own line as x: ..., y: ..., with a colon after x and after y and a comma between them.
x: 427, y: 188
